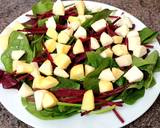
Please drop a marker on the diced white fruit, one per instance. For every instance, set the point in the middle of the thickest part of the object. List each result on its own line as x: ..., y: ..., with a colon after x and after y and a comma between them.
x: 99, y: 25
x: 74, y: 25
x: 37, y: 81
x: 58, y: 8
x: 124, y: 21
x: 134, y: 75
x: 82, y: 18
x: 21, y: 67
x: 80, y: 33
x: 60, y: 72
x: 46, y: 68
x: 80, y: 7
x: 125, y: 60
x: 52, y: 33
x: 106, y: 74
x: 17, y: 26
x: 4, y: 42
x: 78, y: 47
x: 88, y: 101
x: 35, y: 72
x: 63, y: 37
x: 53, y: 55
x: 62, y: 60
x: 133, y: 42
x: 117, y: 39
x: 50, y: 45
x: 105, y: 86
x: 25, y: 90
x: 49, y: 100
x: 107, y: 53
x: 94, y: 43
x: 88, y: 69
x: 77, y: 72
x: 73, y: 19
x: 117, y: 73
x: 47, y: 83
x: 133, y: 33
x: 140, y: 51
x: 69, y: 31
x: 122, y: 30
x: 120, y: 50
x: 17, y: 54
x: 62, y: 48
x: 50, y: 23
x: 105, y: 39
x: 38, y: 96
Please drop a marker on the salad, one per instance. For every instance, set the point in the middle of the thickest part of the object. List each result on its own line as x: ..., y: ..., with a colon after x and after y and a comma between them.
x: 68, y: 59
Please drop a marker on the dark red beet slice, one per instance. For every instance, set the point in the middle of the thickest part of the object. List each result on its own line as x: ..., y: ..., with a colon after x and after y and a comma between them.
x: 118, y: 115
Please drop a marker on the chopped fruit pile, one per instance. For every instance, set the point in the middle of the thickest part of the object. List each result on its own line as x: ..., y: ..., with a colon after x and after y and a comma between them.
x: 68, y: 59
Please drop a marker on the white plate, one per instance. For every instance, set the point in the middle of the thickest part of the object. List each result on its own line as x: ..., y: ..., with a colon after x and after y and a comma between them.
x: 12, y: 103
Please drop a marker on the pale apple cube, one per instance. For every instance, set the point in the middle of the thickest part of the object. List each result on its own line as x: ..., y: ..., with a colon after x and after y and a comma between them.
x: 107, y: 53
x: 62, y: 60
x: 17, y: 54
x: 117, y: 39
x: 94, y: 43
x: 58, y: 8
x: 62, y: 48
x: 99, y: 25
x: 117, y: 73
x: 78, y: 47
x: 134, y: 75
x: 106, y: 74
x: 125, y: 60
x: 46, y: 68
x: 52, y: 33
x: 140, y: 51
x: 120, y: 50
x: 133, y: 42
x: 25, y: 90
x: 133, y: 33
x: 60, y: 72
x: 77, y: 72
x: 63, y: 37
x: 50, y: 45
x: 80, y: 6
x: 80, y: 33
x: 88, y: 69
x: 105, y: 39
x: 35, y: 72
x: 122, y: 30
x: 105, y: 86
x: 50, y: 23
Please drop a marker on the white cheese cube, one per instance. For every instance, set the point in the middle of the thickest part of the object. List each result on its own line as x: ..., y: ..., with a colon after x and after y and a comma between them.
x: 134, y: 75
x: 105, y: 86
x: 62, y: 48
x: 50, y: 23
x: 78, y: 47
x: 94, y: 43
x: 125, y: 60
x: 80, y: 33
x: 80, y: 7
x: 88, y: 69
x: 140, y: 51
x: 50, y: 45
x: 120, y: 50
x: 25, y: 90
x: 60, y: 72
x: 52, y: 33
x: 105, y: 39
x: 46, y: 68
x: 107, y: 53
x: 62, y: 60
x: 77, y: 72
x: 99, y: 25
x: 58, y: 8
x: 122, y: 30
x: 133, y: 42
x: 106, y: 74
x: 17, y: 54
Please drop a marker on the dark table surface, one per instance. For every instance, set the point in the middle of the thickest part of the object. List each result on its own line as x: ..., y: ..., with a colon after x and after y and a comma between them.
x: 148, y: 11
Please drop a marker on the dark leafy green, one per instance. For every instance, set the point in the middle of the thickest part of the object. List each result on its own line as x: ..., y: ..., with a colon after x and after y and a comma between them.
x: 147, y: 35
x: 66, y: 83
x: 17, y: 41
x: 58, y: 112
x: 42, y: 6
x: 130, y: 96
x: 97, y: 16
x: 121, y: 81
x: 157, y: 66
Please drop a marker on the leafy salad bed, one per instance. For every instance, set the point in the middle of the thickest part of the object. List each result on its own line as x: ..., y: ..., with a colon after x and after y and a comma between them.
x: 68, y: 59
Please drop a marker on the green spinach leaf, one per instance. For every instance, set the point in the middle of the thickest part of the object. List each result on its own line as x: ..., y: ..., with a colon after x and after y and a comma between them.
x: 97, y: 16
x: 147, y: 35
x: 42, y: 6
x: 17, y: 41
x: 157, y: 66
